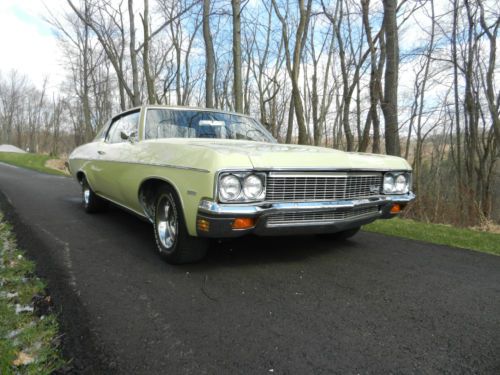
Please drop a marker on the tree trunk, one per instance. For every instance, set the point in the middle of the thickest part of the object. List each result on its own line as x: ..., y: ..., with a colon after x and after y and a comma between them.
x: 390, y: 100
x: 150, y: 85
x: 136, y: 98
x: 210, y: 56
x: 493, y: 101
x: 237, y: 82
x: 293, y: 66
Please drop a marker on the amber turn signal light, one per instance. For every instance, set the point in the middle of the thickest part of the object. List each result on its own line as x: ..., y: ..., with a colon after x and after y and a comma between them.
x: 396, y: 208
x: 203, y: 225
x: 243, y: 223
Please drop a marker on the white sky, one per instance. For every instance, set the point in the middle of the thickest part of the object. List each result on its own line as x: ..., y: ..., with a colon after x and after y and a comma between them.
x: 27, y: 43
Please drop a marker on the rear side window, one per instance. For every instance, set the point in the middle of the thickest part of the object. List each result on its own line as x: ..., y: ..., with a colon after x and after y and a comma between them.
x: 128, y: 123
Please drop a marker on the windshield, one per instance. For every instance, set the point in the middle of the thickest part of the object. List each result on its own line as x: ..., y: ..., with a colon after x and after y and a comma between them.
x: 175, y: 123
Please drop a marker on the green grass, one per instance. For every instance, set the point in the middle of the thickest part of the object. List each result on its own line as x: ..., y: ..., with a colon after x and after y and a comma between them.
x: 28, y: 343
x: 438, y: 234
x: 30, y: 161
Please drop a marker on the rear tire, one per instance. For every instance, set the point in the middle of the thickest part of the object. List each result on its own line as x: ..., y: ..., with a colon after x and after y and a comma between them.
x: 91, y: 202
x: 174, y: 243
x: 340, y: 236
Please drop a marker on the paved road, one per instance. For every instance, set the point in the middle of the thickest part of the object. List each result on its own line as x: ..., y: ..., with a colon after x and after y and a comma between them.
x: 373, y: 304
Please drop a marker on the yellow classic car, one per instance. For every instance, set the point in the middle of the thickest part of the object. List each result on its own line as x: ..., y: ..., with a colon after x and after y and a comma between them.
x: 197, y: 174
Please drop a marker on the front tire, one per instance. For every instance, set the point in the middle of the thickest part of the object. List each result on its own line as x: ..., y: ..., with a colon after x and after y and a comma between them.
x: 340, y: 236
x: 91, y: 202
x: 174, y: 243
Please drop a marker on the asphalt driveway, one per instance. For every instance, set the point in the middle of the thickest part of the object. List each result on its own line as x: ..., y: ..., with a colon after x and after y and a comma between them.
x: 373, y: 304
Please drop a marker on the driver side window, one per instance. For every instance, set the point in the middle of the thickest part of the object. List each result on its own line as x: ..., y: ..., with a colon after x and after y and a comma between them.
x: 128, y: 123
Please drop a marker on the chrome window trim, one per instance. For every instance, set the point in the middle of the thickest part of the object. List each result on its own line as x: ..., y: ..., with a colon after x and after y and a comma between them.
x: 118, y: 118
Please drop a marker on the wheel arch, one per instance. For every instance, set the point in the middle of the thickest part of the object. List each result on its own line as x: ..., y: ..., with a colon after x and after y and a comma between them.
x: 148, y: 189
x: 80, y: 175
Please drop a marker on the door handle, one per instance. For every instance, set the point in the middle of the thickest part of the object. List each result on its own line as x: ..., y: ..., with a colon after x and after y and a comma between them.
x: 101, y: 152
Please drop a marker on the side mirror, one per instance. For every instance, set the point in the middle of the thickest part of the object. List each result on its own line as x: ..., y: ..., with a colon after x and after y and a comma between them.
x: 126, y: 136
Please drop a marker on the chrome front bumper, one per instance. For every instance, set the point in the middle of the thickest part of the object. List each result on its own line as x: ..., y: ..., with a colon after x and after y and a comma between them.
x: 220, y: 217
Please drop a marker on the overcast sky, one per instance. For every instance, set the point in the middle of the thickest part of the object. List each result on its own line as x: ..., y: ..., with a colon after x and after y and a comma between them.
x: 27, y: 42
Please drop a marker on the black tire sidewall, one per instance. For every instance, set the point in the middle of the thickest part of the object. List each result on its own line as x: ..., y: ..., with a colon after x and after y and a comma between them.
x: 186, y: 249
x: 165, y: 192
x: 96, y: 203
x: 87, y: 206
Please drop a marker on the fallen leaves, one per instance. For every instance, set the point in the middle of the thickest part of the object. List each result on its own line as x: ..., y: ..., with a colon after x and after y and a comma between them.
x: 23, y: 359
x: 28, y: 336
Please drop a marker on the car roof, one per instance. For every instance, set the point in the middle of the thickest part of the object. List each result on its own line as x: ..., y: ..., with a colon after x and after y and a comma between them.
x: 172, y: 107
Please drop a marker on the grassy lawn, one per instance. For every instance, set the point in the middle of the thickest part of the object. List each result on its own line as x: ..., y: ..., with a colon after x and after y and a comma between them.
x: 30, y: 161
x: 438, y: 234
x: 28, y: 333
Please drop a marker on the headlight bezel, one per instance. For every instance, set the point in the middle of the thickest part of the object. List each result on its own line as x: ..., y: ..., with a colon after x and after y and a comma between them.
x: 394, y: 176
x: 242, y: 176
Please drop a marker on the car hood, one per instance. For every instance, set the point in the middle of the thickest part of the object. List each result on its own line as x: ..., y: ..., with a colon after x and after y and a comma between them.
x: 273, y: 155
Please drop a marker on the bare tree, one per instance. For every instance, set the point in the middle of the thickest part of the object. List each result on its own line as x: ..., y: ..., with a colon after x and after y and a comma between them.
x: 390, y: 99
x: 493, y: 98
x: 210, y: 56
x: 293, y: 62
x: 150, y: 81
x: 376, y: 68
x: 238, y: 81
x: 11, y: 101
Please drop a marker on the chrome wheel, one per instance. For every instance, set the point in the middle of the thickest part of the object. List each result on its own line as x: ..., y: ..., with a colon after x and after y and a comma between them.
x: 86, y: 195
x: 90, y: 201
x: 173, y: 241
x: 166, y: 222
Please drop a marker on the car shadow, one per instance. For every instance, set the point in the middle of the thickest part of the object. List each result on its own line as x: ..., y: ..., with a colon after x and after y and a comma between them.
x: 238, y: 252
x: 250, y: 251
x: 255, y: 249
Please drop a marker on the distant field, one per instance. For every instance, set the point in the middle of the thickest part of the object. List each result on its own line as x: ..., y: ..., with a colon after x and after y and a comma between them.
x: 31, y: 161
x: 438, y: 234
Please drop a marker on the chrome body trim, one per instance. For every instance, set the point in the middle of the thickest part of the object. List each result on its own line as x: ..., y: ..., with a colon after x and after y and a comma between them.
x: 300, y: 172
x: 245, y: 173
x: 305, y: 217
x: 319, y: 187
x: 315, y: 218
x: 275, y: 173
x: 214, y: 208
x: 150, y: 164
x: 328, y: 170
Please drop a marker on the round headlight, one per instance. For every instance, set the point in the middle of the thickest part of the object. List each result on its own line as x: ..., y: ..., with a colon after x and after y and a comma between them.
x: 389, y: 185
x: 401, y: 184
x: 252, y: 187
x: 229, y: 187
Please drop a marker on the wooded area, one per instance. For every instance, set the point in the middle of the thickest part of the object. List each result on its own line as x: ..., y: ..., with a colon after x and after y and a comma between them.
x: 417, y: 79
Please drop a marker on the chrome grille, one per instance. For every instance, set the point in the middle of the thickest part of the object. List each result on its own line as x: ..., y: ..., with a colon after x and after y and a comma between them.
x: 295, y: 187
x: 314, y: 217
